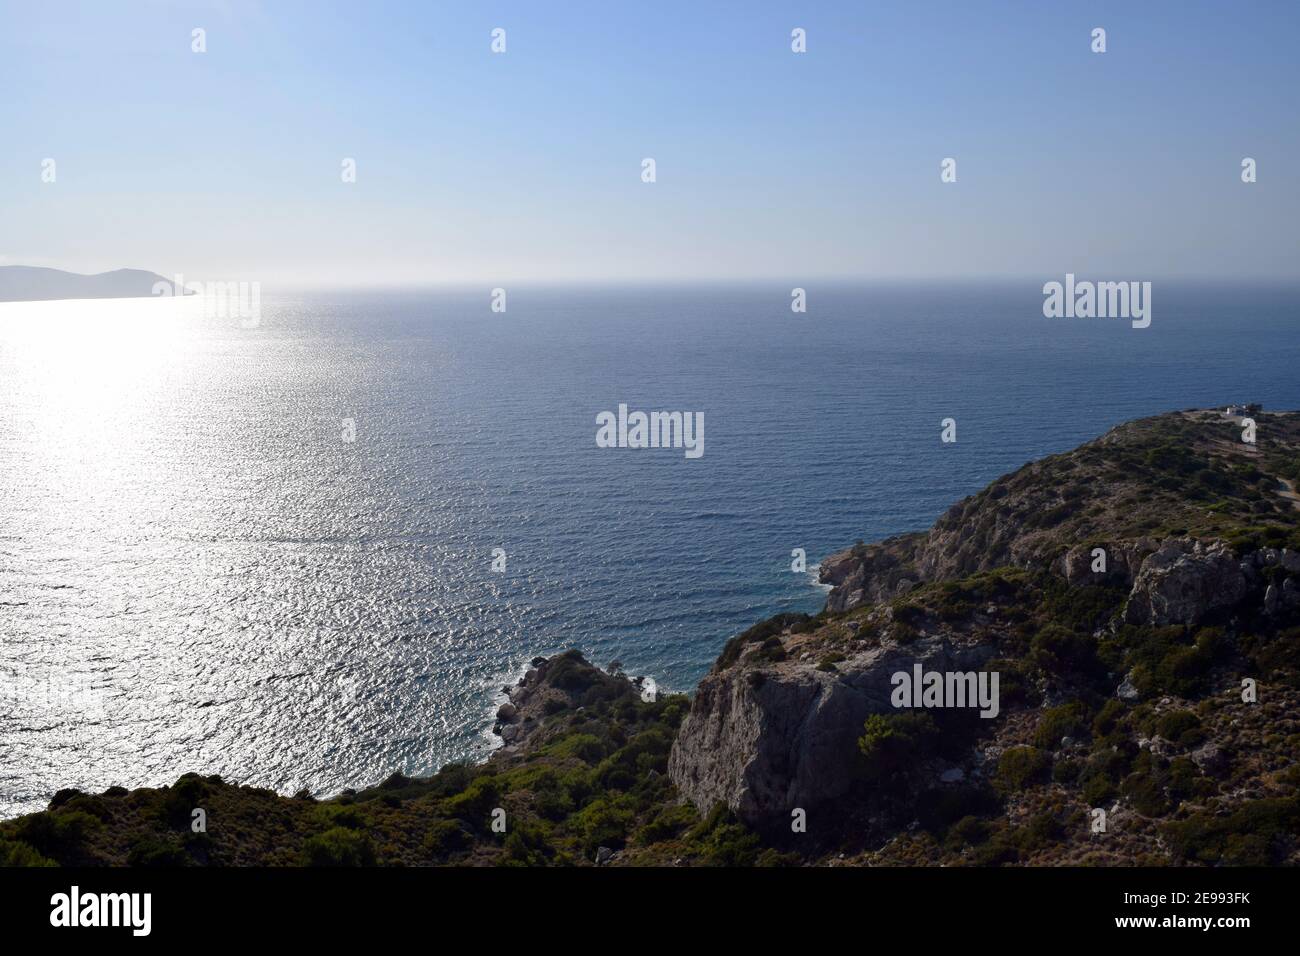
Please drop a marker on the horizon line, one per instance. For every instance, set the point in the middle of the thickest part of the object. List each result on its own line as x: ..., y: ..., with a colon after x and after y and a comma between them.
x: 288, y: 281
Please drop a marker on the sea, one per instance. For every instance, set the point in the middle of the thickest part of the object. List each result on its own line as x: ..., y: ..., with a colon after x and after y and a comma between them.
x: 308, y: 548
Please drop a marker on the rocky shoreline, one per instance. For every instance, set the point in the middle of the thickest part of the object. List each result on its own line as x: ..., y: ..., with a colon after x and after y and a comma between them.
x: 1138, y: 600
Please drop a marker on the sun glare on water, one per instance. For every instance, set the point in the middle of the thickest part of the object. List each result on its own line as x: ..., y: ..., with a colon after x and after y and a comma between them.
x: 88, y: 391
x: 98, y: 367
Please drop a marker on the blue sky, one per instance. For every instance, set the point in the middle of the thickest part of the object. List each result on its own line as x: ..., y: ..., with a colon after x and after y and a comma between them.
x: 523, y: 166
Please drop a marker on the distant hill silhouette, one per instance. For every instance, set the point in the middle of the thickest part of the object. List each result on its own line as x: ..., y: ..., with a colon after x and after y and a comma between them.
x: 33, y: 283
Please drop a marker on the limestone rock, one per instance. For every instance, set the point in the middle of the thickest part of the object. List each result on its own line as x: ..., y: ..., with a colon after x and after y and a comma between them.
x: 1183, y: 581
x: 1210, y: 758
x: 763, y: 738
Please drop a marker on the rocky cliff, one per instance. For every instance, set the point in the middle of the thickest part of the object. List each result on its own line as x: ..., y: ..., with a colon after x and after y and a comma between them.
x: 1138, y: 579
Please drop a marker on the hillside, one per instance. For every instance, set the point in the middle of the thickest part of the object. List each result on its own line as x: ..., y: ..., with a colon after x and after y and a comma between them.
x: 1132, y: 596
x: 33, y: 284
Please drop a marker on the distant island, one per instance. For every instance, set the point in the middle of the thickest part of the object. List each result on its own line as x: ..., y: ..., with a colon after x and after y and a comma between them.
x: 38, y: 284
x: 1138, y: 600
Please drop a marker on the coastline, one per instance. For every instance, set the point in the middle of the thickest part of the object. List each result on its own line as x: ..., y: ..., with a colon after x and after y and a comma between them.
x: 1121, y: 688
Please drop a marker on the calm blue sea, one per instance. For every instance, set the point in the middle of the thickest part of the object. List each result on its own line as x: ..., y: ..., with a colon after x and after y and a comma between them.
x: 197, y: 572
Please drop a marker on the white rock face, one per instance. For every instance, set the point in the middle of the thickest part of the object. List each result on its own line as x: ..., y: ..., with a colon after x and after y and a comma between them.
x: 1184, y: 581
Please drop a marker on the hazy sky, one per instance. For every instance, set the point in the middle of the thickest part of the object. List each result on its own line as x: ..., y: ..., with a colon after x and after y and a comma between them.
x: 482, y: 167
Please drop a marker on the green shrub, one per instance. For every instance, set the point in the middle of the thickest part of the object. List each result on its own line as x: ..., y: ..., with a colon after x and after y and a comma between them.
x: 1180, y: 726
x: 1000, y: 848
x: 774, y: 858
x: 1080, y: 609
x: 1041, y: 830
x: 157, y: 851
x: 668, y: 823
x: 182, y: 798
x: 828, y: 661
x: 1015, y: 683
x: 1279, y: 655
x: 1101, y: 774
x: 97, y: 807
x: 526, y: 844
x: 57, y: 833
x: 477, y: 800
x: 904, y: 633
x: 1019, y: 767
x: 570, y: 672
x: 936, y: 809
x: 604, y: 822
x: 968, y: 831
x: 339, y: 847
x: 601, y: 691
x: 1164, y: 662
x: 721, y: 840
x: 1066, y: 720
x: 1183, y: 779
x: 329, y: 815
x: 451, y: 779
x: 771, y: 650
x: 14, y: 853
x: 892, y: 741
x: 1066, y: 771
x: 1109, y: 719
x: 552, y: 799
x: 586, y: 747
x: 1097, y: 789
x: 613, y: 775
x: 1145, y: 792
x: 759, y: 633
x: 1061, y: 651
x: 447, y: 836
x: 1249, y: 836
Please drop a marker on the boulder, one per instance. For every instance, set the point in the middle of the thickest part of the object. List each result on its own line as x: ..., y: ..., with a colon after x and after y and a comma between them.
x: 1210, y: 758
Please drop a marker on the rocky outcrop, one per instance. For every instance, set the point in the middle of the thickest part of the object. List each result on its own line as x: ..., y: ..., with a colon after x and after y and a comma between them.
x: 764, y: 739
x: 562, y: 682
x: 771, y: 730
x: 979, y: 533
x: 1117, y: 563
x: 1118, y: 488
x: 869, y: 573
x: 1183, y: 582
